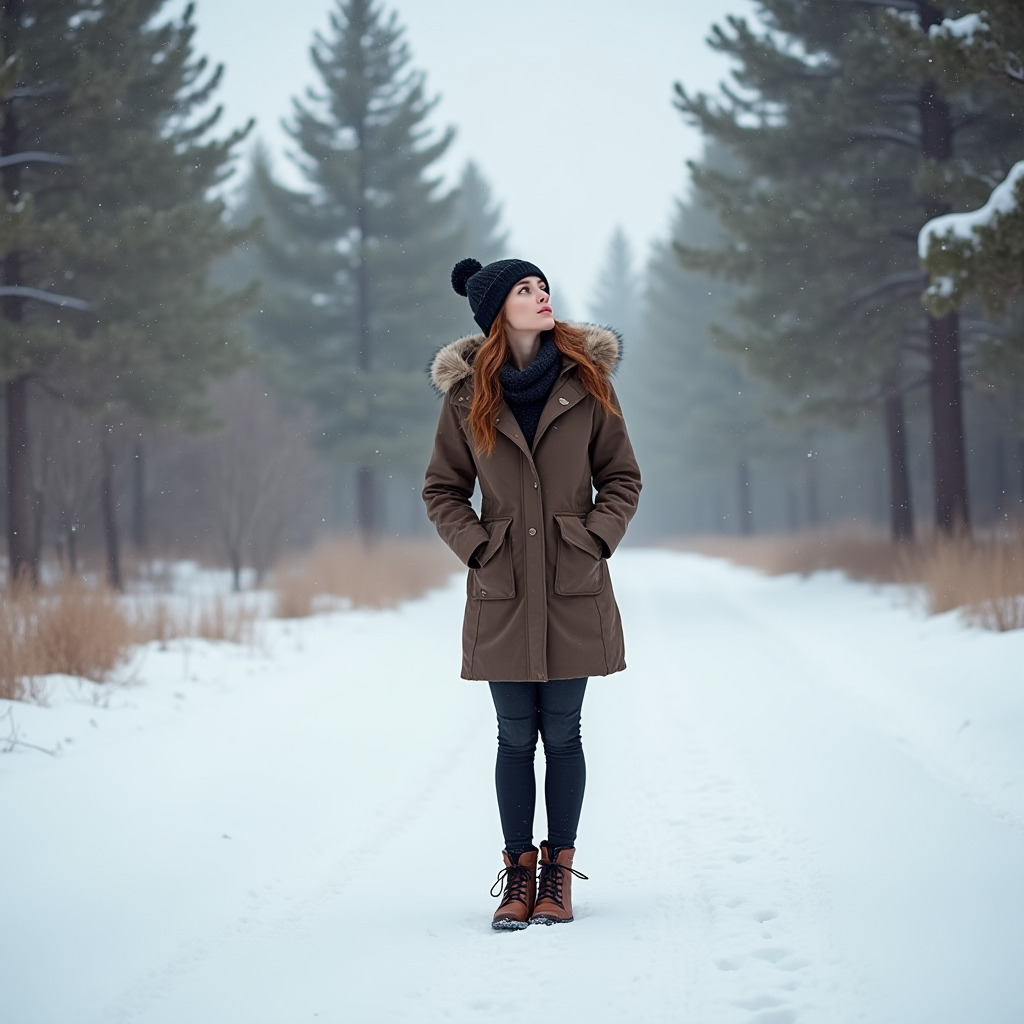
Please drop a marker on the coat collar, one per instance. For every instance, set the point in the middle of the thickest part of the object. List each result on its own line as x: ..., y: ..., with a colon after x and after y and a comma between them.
x: 453, y: 364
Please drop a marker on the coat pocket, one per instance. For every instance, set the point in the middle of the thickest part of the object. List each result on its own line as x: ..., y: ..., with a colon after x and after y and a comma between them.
x: 579, y: 567
x: 494, y: 580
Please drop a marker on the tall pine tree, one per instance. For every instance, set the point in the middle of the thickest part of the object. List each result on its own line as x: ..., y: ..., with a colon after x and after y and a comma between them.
x: 848, y: 142
x: 485, y: 238
x: 357, y: 262
x: 107, y: 300
x: 616, y: 300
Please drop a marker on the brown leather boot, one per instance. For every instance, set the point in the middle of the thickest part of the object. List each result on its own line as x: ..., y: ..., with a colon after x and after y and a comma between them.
x: 554, y: 891
x: 520, y: 878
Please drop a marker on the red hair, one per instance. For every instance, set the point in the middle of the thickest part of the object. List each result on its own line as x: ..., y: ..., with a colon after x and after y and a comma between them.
x: 492, y: 356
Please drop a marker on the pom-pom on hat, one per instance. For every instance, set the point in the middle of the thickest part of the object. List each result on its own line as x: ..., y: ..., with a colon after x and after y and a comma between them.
x: 488, y: 287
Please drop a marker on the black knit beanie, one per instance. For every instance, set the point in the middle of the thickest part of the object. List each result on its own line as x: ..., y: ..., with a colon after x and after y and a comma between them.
x: 488, y: 287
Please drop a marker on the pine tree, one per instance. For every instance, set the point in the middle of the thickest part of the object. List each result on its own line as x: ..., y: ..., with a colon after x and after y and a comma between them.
x: 131, y: 226
x: 981, y: 253
x: 848, y: 144
x: 480, y: 216
x: 701, y: 422
x: 616, y: 299
x: 359, y: 264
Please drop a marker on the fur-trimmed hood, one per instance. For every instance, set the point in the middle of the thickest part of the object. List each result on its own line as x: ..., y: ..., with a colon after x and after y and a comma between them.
x: 454, y: 362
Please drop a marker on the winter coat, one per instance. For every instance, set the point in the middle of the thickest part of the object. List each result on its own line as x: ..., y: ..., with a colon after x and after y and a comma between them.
x: 539, y: 598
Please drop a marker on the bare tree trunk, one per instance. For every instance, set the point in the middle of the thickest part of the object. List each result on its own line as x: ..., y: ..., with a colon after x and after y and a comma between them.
x: 366, y: 505
x: 366, y: 494
x: 948, y: 449
x: 108, y: 507
x: 948, y: 455
x: 140, y: 531
x: 745, y: 499
x: 235, y: 557
x: 813, y: 504
x: 999, y: 476
x: 20, y: 545
x: 900, y: 504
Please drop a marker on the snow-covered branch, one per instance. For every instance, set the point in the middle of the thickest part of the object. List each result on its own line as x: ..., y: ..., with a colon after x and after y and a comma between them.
x: 965, y: 225
x: 979, y: 251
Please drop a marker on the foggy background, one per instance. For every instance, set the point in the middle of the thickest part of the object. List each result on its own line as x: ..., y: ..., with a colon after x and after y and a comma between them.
x: 222, y: 361
x: 565, y: 106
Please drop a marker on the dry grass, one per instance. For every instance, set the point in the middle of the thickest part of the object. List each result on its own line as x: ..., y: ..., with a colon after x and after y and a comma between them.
x: 983, y: 577
x: 90, y: 632
x: 380, y: 576
x: 861, y: 554
x: 71, y: 629
x: 164, y: 618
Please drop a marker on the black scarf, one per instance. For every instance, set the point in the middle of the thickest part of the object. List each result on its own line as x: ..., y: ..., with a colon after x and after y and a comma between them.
x: 526, y: 391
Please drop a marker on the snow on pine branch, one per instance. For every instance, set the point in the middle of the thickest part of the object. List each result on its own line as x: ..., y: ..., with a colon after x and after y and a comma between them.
x: 965, y: 225
x: 980, y: 252
x: 964, y: 29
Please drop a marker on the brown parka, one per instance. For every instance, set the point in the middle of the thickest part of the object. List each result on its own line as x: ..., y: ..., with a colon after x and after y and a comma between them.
x: 539, y: 598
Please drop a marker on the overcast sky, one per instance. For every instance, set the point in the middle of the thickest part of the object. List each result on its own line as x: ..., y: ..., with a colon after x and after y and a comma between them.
x: 565, y: 104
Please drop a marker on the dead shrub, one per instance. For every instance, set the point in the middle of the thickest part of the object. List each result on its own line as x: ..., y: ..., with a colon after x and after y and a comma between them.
x: 372, y: 576
x: 984, y: 577
x: 226, y: 619
x: 70, y: 629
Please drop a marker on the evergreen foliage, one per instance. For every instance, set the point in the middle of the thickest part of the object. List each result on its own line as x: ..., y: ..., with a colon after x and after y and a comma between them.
x: 846, y: 140
x: 616, y: 301
x: 116, y: 226
x: 982, y: 254
x: 701, y: 421
x: 357, y: 262
x: 480, y: 216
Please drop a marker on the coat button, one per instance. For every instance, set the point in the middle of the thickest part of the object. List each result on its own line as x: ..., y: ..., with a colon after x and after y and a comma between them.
x: 563, y: 401
x: 534, y: 483
x: 483, y: 593
x: 533, y: 532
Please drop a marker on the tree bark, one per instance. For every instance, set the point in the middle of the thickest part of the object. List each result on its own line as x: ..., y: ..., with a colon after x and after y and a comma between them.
x: 20, y: 543
x: 900, y: 506
x: 999, y: 476
x: 948, y: 449
x: 140, y: 525
x: 108, y: 508
x: 948, y: 455
x: 366, y: 505
x: 813, y: 504
x: 19, y: 483
x: 366, y: 487
x: 745, y: 502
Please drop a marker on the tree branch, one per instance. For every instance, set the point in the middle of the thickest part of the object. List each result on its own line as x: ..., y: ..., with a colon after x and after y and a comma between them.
x: 20, y: 291
x: 35, y: 157
x: 903, y: 279
x: 896, y: 5
x: 879, y: 133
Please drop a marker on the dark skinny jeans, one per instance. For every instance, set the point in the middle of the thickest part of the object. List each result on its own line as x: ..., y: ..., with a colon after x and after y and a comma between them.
x: 553, y: 710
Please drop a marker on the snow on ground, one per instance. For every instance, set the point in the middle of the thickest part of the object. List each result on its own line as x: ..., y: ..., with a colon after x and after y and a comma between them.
x: 805, y: 803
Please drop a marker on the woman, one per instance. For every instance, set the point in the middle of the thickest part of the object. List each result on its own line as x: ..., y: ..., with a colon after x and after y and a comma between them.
x: 528, y: 411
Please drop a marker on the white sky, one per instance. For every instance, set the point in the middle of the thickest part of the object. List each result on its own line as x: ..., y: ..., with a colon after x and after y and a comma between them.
x: 565, y: 104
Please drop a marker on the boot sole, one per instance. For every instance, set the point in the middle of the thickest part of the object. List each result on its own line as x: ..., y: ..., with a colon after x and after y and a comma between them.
x: 550, y: 920
x: 507, y: 925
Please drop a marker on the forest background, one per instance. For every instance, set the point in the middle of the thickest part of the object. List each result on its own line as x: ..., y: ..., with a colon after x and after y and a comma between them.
x: 213, y: 344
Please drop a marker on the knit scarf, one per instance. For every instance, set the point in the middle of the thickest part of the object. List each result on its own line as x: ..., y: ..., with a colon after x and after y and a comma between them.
x: 526, y: 391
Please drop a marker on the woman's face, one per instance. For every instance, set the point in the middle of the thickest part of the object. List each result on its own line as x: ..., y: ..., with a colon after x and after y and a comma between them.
x: 528, y: 306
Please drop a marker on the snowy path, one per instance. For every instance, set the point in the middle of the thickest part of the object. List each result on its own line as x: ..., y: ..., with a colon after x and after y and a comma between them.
x: 805, y: 803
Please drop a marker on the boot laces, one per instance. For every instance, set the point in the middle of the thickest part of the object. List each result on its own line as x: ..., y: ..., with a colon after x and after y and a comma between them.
x: 516, y: 880
x: 550, y: 885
